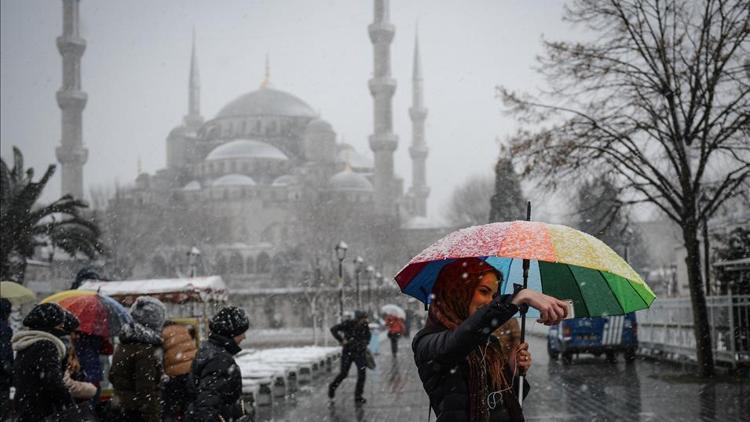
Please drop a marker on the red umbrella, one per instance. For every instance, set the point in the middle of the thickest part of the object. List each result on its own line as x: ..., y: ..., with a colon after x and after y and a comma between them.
x: 91, y: 313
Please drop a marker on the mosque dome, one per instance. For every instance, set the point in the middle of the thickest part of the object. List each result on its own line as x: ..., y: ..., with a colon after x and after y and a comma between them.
x: 348, y: 180
x: 246, y: 148
x: 267, y: 101
x: 284, y: 180
x: 348, y: 155
x: 192, y: 186
x: 234, y: 180
x: 318, y: 126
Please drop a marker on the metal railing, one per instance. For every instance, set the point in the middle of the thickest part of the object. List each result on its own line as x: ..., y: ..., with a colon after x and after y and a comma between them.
x: 667, y: 327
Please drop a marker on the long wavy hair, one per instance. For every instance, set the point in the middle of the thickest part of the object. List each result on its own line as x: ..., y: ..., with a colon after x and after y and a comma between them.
x: 453, y: 292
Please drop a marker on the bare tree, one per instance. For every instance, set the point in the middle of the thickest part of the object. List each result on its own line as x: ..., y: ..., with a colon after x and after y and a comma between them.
x: 660, y: 98
x: 470, y: 202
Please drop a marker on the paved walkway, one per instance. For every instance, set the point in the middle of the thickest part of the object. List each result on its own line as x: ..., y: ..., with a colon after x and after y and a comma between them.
x: 588, y: 390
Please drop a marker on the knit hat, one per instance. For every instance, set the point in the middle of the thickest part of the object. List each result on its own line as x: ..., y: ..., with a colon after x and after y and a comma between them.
x: 44, y: 317
x: 229, y: 322
x: 70, y: 323
x: 360, y: 315
x: 149, y: 312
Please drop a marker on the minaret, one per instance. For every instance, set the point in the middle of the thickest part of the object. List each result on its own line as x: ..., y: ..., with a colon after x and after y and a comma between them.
x: 71, y: 154
x: 418, y: 149
x: 383, y: 141
x: 194, y: 119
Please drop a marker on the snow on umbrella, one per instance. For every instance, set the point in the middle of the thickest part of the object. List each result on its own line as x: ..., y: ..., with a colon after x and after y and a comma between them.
x: 16, y: 293
x: 395, y: 310
x: 564, y: 263
x: 98, y: 314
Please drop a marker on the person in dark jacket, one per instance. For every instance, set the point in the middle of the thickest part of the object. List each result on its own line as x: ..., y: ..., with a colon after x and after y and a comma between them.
x: 216, y: 376
x: 354, y: 335
x: 6, y: 358
x: 38, y: 367
x: 463, y: 368
x: 137, y: 362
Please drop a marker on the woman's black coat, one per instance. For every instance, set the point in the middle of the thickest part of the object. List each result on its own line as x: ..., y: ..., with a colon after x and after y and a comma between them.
x: 440, y: 355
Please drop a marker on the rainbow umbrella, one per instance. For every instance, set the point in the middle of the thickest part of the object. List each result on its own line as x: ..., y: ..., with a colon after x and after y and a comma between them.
x: 551, y: 258
x: 563, y: 262
x: 98, y: 314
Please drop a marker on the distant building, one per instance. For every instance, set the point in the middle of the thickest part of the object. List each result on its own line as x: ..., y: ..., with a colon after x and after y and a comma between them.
x: 250, y: 164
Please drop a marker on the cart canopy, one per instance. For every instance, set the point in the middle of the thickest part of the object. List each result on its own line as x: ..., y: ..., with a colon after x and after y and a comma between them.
x: 170, y: 290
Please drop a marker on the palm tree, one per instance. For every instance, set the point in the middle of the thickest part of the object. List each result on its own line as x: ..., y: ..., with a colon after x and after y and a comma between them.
x: 25, y: 225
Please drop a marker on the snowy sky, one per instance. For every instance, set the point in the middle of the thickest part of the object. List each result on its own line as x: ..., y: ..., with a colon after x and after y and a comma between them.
x: 135, y: 72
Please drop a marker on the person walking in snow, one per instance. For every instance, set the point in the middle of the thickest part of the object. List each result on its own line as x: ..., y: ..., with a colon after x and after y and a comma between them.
x: 137, y: 362
x: 354, y: 335
x: 396, y: 329
x: 216, y: 376
x: 38, y: 367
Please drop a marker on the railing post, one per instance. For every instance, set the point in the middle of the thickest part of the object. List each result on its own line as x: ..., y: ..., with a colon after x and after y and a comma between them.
x: 732, y: 345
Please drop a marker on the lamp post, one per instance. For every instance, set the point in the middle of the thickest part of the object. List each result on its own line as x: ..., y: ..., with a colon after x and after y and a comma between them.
x: 369, y: 270
x: 378, y: 283
x: 193, y: 255
x: 341, y: 248
x: 359, y: 262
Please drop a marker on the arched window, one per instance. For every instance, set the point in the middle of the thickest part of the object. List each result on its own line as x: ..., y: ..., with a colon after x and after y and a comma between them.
x: 236, y: 265
x: 159, y: 266
x: 221, y: 264
x: 263, y: 264
x: 250, y: 265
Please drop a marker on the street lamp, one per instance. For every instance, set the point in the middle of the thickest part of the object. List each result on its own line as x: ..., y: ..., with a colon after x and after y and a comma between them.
x: 378, y: 282
x: 193, y: 255
x: 370, y: 270
x: 359, y: 262
x: 341, y: 248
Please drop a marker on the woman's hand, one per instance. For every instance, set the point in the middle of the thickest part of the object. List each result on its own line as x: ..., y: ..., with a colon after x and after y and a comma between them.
x: 552, y: 310
x: 523, y: 357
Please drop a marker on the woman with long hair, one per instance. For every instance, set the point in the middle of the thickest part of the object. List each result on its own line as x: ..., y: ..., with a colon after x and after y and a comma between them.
x: 464, y: 369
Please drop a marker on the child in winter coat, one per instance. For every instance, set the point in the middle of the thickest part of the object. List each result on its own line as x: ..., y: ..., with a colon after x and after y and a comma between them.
x: 179, y: 351
x: 137, y: 362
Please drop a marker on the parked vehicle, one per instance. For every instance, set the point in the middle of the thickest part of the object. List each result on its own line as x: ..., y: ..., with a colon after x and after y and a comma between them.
x: 603, y: 335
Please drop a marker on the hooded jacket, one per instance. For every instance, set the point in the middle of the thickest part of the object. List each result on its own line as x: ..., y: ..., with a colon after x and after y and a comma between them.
x: 179, y: 350
x: 218, y: 381
x: 353, y: 334
x: 136, y: 371
x: 38, y: 375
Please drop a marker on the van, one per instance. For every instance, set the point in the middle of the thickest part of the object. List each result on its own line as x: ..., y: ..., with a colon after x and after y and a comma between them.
x: 609, y: 336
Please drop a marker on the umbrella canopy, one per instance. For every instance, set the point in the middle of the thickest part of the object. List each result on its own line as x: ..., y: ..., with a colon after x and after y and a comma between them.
x: 98, y: 314
x: 564, y: 263
x: 395, y: 310
x: 16, y: 293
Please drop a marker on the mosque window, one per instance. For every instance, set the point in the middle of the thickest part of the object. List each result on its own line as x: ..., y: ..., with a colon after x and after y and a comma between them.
x: 159, y: 266
x: 250, y: 265
x: 236, y: 264
x: 257, y: 126
x: 221, y: 264
x: 263, y: 264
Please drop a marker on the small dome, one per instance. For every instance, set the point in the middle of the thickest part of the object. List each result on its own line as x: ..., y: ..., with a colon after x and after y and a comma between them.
x: 284, y: 180
x: 246, y: 148
x: 347, y: 154
x: 347, y: 180
x: 319, y: 125
x: 178, y: 132
x: 267, y: 102
x: 192, y: 186
x: 234, y: 180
